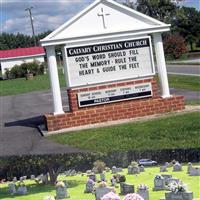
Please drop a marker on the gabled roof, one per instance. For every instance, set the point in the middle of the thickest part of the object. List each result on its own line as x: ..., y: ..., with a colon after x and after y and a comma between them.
x: 117, y: 19
x: 21, y: 52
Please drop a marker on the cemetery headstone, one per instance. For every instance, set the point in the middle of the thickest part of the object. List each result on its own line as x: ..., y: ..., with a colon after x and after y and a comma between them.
x: 143, y: 191
x: 61, y: 190
x: 11, y: 188
x: 172, y: 180
x: 32, y: 177
x: 133, y: 168
x: 116, y: 170
x: 166, y: 177
x: 89, y: 186
x: 93, y: 177
x: 95, y: 170
x: 102, y: 190
x: 189, y: 167
x: 177, y: 167
x: 163, y: 168
x: 141, y: 168
x: 126, y: 188
x: 22, y: 190
x: 103, y: 177
x: 179, y: 196
x: 195, y: 171
x: 159, y: 183
x: 113, y: 180
x: 15, y: 179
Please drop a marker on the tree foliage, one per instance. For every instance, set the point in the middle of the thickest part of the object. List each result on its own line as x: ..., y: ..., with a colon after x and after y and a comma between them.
x: 13, y: 41
x: 187, y: 24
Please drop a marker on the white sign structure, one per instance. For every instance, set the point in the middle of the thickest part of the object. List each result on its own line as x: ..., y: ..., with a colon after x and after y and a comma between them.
x: 107, y: 62
x: 114, y: 94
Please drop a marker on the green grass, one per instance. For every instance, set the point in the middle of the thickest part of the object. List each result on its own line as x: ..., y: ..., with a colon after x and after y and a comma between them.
x: 21, y: 85
x: 183, y: 63
x: 184, y: 82
x: 77, y: 185
x: 181, y: 131
x: 192, y: 102
x: 39, y: 83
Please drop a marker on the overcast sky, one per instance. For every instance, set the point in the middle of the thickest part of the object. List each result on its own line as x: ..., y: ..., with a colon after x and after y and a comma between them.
x: 48, y: 14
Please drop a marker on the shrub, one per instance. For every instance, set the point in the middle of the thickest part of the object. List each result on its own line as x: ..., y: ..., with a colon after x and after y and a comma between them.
x: 174, y: 46
x: 34, y: 67
x: 99, y: 165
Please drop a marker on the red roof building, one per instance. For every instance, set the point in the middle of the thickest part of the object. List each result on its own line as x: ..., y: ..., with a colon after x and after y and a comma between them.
x: 12, y: 57
x: 21, y: 52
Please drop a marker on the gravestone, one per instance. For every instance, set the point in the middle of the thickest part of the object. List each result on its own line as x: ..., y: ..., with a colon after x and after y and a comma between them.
x: 189, y: 167
x: 143, y: 193
x: 102, y: 177
x: 11, y: 188
x: 159, y: 183
x: 89, y: 186
x: 22, y: 190
x: 15, y: 179
x: 179, y: 196
x: 61, y: 191
x: 113, y: 180
x: 163, y: 168
x: 177, y: 167
x: 32, y: 177
x: 166, y: 177
x: 107, y: 169
x: 116, y: 170
x: 195, y: 171
x: 101, y: 191
x: 172, y: 180
x: 95, y: 170
x: 93, y: 177
x: 126, y: 188
x: 133, y: 169
x: 141, y: 168
x: 88, y: 171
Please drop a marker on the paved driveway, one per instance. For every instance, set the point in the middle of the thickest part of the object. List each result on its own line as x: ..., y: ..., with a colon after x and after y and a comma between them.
x: 20, y: 116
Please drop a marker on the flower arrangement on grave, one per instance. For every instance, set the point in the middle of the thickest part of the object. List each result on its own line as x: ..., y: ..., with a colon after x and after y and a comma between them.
x: 49, y: 198
x: 177, y: 187
x: 102, y: 184
x: 110, y: 196
x: 142, y: 187
x: 90, y: 181
x: 133, y: 196
x: 60, y: 184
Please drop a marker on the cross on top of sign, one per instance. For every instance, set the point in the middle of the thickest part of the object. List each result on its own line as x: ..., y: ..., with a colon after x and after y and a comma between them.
x: 103, y: 15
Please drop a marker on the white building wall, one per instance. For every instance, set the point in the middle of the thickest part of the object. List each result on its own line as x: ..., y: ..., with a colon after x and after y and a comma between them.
x: 10, y: 63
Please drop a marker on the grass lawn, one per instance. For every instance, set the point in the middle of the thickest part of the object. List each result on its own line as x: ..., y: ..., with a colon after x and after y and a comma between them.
x: 180, y: 131
x: 77, y: 185
x: 184, y: 82
x: 39, y: 83
x: 21, y: 85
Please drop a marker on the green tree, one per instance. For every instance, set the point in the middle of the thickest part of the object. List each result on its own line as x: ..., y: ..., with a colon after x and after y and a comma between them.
x: 162, y: 10
x: 187, y: 24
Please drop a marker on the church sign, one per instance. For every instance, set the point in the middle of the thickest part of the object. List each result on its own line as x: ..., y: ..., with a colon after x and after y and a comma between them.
x: 107, y: 62
x: 114, y: 94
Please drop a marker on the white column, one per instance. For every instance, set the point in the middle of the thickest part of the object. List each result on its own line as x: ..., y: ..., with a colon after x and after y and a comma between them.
x: 55, y: 86
x: 65, y: 66
x: 161, y: 65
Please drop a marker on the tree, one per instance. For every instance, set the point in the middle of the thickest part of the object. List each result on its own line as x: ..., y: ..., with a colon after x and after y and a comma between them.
x: 162, y: 10
x: 187, y: 24
x: 174, y: 45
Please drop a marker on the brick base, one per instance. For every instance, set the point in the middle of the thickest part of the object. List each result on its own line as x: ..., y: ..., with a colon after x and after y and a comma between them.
x: 112, y: 111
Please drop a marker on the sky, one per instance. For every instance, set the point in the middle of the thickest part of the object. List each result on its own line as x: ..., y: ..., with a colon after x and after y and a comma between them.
x: 47, y: 14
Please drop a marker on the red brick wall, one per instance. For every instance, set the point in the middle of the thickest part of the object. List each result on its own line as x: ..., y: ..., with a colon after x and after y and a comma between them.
x: 112, y: 111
